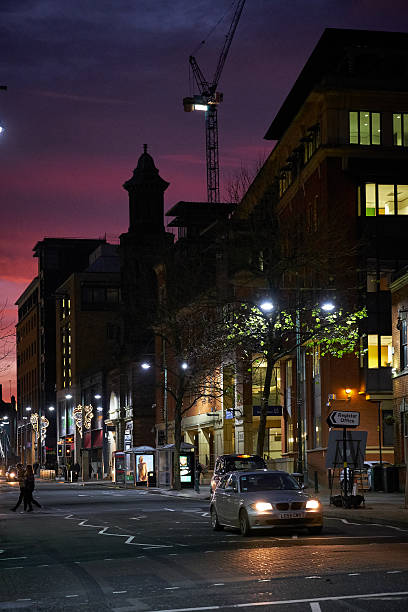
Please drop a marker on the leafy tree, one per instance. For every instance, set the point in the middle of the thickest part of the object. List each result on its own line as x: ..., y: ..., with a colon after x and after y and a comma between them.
x: 276, y: 333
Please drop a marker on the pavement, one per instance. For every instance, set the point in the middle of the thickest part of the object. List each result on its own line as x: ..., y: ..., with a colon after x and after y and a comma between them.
x: 380, y: 508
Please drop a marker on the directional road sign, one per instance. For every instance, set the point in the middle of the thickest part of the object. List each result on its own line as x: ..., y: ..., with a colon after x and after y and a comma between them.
x: 347, y: 418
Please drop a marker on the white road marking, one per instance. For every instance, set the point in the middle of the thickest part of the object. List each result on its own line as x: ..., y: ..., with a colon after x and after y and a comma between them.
x: 283, y: 602
x: 24, y: 599
x: 218, y: 583
x: 395, y: 572
x: 71, y: 595
x: 356, y: 574
x: 334, y: 518
x: 14, y: 567
x: 312, y: 577
x: 171, y: 588
x: 169, y: 509
x: 12, y: 558
x: 45, y: 565
x: 115, y: 592
x: 315, y: 606
x: 264, y: 580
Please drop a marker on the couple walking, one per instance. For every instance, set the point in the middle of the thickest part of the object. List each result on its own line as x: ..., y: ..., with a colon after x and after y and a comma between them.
x: 26, y: 480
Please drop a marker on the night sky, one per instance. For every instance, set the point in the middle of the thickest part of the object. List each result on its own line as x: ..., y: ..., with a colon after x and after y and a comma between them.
x: 90, y: 81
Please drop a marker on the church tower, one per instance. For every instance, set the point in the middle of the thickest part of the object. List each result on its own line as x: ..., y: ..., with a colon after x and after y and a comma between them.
x: 146, y: 197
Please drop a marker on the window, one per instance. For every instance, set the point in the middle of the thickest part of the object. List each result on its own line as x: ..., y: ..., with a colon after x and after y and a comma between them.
x: 365, y: 128
x: 384, y: 199
x: 378, y: 282
x: 400, y: 129
x: 379, y: 351
x: 311, y: 142
x: 403, y: 344
x: 100, y: 295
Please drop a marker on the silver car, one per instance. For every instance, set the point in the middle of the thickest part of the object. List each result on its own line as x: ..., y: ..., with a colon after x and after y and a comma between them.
x: 263, y: 500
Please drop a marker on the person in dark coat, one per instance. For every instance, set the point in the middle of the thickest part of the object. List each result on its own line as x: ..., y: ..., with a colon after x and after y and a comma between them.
x: 29, y: 485
x: 76, y: 470
x: 21, y: 480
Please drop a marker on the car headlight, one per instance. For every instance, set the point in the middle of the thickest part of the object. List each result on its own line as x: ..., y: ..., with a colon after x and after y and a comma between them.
x: 312, y: 504
x: 12, y: 475
x: 262, y: 506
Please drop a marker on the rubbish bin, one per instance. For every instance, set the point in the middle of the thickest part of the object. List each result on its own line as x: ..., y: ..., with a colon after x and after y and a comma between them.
x: 391, y: 479
x: 377, y: 478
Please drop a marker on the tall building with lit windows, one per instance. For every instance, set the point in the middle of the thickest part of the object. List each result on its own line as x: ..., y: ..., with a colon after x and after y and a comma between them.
x: 337, y: 182
x: 36, y: 353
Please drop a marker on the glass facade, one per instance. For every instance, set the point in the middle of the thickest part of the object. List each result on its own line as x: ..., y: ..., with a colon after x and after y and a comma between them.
x: 400, y: 129
x: 383, y: 199
x: 365, y: 128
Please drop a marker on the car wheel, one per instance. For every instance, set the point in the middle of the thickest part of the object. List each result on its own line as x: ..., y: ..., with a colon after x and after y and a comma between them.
x: 315, y: 530
x: 244, y: 527
x: 214, y: 520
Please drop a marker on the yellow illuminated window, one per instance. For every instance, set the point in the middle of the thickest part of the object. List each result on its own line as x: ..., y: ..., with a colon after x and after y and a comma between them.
x: 386, y: 351
x: 372, y: 351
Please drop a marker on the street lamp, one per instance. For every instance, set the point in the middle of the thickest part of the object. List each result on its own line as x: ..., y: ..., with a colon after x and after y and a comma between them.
x: 145, y: 365
x: 328, y: 306
x: 266, y: 306
x: 184, y: 365
x: 97, y: 396
x: 68, y: 396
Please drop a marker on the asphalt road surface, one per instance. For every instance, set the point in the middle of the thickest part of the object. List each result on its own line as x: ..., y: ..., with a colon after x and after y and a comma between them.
x: 109, y: 549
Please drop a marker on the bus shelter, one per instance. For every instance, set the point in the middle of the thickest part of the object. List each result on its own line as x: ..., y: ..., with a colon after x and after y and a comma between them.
x: 165, y: 460
x: 136, y: 467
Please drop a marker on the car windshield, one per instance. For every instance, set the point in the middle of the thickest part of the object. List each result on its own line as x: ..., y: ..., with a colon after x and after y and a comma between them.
x: 244, y: 464
x: 267, y: 482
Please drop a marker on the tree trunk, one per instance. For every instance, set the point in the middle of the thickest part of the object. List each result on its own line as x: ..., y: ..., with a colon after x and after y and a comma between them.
x: 264, y: 406
x: 177, y: 444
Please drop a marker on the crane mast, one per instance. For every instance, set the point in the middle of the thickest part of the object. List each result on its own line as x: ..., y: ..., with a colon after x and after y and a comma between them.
x: 207, y: 100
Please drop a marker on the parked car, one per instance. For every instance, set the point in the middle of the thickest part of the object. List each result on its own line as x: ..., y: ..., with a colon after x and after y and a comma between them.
x: 263, y: 500
x: 11, y: 474
x: 225, y: 464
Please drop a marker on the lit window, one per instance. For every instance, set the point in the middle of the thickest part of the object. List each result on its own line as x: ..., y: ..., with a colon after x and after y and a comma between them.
x: 384, y: 199
x: 379, y: 353
x: 386, y: 351
x: 365, y: 128
x: 372, y: 351
x: 400, y: 129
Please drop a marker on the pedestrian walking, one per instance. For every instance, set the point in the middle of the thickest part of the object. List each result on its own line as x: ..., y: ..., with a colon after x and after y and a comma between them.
x: 197, y: 473
x: 29, y: 485
x: 76, y: 470
x: 21, y: 481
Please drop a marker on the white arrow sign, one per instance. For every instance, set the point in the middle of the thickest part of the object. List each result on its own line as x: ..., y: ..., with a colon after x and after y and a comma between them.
x: 343, y: 419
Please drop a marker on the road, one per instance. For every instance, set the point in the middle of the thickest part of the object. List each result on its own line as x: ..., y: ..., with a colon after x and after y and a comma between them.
x: 126, y: 550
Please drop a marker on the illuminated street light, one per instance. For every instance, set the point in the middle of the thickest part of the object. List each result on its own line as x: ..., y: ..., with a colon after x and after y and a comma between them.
x: 97, y: 396
x: 145, y: 365
x: 184, y: 365
x: 266, y: 306
x: 99, y: 408
x: 68, y: 396
x: 28, y: 409
x: 328, y: 306
x: 51, y: 408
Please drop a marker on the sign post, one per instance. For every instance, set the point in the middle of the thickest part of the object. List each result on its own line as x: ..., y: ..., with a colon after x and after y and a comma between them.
x: 344, y: 419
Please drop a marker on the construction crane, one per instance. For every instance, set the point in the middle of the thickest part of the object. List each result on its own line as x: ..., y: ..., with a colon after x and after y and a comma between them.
x: 207, y: 100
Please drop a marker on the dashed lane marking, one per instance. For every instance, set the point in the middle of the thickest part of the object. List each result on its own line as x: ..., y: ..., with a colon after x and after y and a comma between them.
x: 12, y: 558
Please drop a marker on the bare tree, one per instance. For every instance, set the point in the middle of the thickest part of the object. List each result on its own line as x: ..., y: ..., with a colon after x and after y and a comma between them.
x: 7, y: 339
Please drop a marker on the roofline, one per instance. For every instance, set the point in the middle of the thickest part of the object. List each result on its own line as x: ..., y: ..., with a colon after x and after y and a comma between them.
x: 329, y: 47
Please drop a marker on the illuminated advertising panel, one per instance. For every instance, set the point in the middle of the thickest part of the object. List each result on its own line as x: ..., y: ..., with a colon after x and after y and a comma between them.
x: 144, y: 465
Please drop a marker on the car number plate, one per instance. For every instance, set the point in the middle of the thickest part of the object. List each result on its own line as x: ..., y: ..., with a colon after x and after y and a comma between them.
x: 292, y: 515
